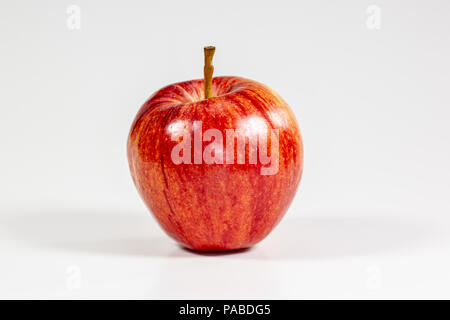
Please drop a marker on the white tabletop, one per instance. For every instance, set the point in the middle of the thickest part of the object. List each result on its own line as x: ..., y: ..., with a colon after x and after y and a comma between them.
x: 118, y: 254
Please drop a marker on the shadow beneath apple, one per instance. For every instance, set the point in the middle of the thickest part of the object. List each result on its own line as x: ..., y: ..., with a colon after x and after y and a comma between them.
x: 97, y: 232
x: 325, y: 238
x: 213, y: 253
x: 122, y: 233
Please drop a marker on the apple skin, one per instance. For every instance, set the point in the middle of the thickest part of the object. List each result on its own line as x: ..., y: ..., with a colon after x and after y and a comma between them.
x: 214, y: 207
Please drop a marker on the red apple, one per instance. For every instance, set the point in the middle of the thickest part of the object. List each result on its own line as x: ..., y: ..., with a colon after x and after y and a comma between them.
x: 205, y: 189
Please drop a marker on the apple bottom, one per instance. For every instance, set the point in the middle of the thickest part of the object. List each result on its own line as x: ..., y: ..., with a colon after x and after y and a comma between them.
x: 197, y: 245
x: 232, y: 241
x: 210, y: 214
x: 227, y: 241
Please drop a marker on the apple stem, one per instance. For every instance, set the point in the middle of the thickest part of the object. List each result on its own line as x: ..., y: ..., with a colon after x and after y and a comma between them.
x: 208, y: 70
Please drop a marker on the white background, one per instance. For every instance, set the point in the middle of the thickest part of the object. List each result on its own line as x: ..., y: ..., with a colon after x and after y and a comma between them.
x: 370, y: 219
